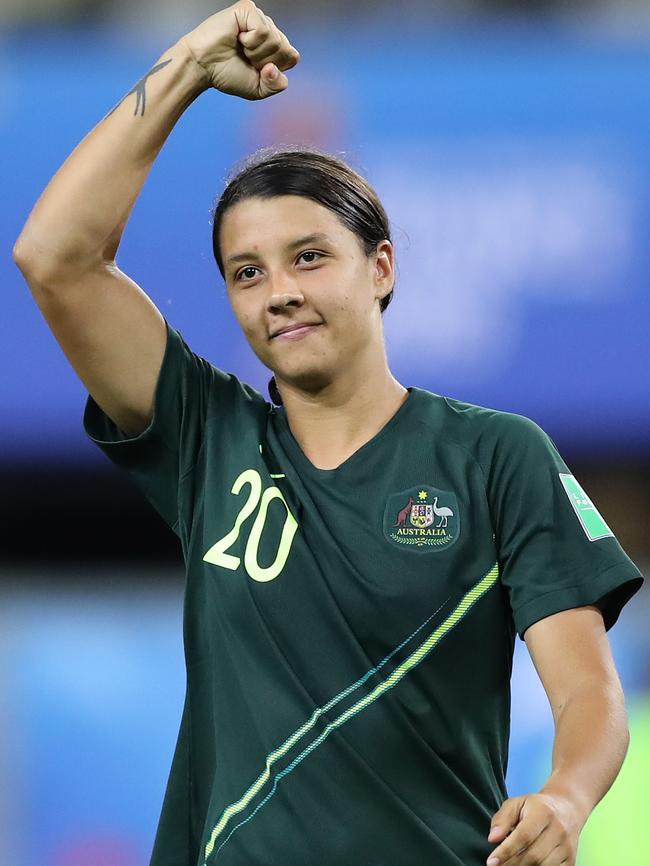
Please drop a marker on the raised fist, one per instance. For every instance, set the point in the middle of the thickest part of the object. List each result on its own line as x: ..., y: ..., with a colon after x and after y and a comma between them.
x: 241, y: 50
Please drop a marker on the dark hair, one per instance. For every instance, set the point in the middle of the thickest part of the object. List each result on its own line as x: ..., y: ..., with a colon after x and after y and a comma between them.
x: 309, y: 172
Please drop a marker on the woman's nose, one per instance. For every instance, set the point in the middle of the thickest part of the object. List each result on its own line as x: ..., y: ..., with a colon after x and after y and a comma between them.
x: 285, y: 299
x: 284, y: 291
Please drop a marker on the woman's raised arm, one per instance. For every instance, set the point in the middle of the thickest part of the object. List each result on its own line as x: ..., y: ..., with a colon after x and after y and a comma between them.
x: 107, y: 326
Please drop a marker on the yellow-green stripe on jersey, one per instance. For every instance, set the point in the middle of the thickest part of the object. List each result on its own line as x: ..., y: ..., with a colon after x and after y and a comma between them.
x: 470, y: 598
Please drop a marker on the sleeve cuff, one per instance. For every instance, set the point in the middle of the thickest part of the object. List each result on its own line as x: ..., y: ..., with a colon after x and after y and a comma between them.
x: 610, y: 590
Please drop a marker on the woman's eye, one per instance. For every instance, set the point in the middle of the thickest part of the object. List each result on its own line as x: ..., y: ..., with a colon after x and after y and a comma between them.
x: 243, y: 271
x: 309, y: 253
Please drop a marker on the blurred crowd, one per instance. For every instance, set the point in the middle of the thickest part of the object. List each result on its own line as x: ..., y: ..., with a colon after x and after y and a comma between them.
x: 629, y: 15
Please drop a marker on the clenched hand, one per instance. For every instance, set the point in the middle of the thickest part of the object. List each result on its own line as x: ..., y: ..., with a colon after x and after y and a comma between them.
x: 242, y: 52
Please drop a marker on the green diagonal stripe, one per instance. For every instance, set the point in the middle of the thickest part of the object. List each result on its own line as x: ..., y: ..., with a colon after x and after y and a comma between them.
x: 468, y: 600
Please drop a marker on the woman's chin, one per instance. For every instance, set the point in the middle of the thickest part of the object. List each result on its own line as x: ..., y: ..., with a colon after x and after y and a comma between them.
x: 312, y: 381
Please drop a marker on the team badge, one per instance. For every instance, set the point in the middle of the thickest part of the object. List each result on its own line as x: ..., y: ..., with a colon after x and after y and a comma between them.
x: 423, y: 517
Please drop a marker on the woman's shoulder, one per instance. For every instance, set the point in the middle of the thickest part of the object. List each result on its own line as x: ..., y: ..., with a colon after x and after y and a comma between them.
x: 473, y: 425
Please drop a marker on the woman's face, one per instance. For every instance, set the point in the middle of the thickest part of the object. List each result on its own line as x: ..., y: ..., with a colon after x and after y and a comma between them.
x: 276, y: 275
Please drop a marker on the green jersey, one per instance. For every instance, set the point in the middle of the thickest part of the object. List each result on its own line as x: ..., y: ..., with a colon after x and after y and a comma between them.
x: 349, y: 632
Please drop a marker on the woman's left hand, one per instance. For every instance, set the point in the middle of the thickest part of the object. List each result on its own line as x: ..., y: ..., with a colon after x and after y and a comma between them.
x: 535, y: 829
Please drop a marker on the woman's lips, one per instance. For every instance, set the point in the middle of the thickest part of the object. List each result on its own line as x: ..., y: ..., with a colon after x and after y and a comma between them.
x: 296, y: 333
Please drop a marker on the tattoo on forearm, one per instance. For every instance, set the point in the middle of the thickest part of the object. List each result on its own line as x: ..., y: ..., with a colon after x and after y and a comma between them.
x: 139, y: 90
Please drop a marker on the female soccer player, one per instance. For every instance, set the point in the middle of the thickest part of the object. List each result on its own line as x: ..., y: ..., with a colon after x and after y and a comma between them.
x: 360, y: 555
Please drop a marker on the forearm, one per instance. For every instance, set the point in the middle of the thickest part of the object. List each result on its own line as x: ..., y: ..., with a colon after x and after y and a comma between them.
x: 79, y: 219
x: 591, y: 741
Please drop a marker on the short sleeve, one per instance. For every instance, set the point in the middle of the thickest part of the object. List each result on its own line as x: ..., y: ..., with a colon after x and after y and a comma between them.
x: 166, y: 452
x: 555, y: 550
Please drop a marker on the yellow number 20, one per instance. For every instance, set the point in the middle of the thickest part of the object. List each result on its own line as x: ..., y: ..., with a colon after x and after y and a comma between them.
x: 217, y: 553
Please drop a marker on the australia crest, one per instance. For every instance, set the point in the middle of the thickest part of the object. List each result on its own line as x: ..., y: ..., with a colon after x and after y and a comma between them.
x: 422, y: 518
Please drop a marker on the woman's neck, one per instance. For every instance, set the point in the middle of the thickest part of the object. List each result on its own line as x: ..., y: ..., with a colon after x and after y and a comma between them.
x: 331, y: 427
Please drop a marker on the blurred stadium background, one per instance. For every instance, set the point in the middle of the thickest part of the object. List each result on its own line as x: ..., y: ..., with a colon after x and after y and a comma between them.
x: 510, y: 143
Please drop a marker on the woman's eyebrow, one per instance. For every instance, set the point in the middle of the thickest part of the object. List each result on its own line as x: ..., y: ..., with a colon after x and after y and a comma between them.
x: 307, y: 239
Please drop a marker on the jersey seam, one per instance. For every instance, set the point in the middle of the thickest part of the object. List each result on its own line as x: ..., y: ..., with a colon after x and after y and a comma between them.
x: 181, y: 479
x: 476, y: 462
x: 463, y: 447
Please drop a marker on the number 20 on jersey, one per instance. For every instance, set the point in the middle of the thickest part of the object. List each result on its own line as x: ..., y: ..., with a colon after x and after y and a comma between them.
x: 260, y: 500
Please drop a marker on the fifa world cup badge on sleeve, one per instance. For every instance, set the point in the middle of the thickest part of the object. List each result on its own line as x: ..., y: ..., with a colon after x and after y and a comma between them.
x: 423, y: 518
x: 586, y: 512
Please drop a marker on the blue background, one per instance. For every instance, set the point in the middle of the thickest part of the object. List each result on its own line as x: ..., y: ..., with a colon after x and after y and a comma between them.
x: 514, y: 165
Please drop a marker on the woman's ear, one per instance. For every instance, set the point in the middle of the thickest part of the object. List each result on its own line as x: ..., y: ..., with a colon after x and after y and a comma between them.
x: 384, y: 268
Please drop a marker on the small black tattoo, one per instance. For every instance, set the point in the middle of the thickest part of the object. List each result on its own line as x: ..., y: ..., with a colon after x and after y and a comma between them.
x: 139, y: 90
